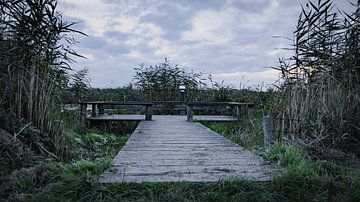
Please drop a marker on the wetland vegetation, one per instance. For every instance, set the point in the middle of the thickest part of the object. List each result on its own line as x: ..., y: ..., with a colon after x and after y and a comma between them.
x: 47, y: 155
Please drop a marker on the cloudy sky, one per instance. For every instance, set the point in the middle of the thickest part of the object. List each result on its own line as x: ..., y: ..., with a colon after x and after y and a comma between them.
x: 231, y: 39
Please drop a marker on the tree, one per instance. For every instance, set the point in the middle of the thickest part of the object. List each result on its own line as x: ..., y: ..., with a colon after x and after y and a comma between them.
x: 161, y: 82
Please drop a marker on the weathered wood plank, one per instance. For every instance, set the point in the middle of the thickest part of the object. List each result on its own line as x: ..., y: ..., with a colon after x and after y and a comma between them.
x: 189, y: 162
x: 171, y: 149
x: 135, y: 117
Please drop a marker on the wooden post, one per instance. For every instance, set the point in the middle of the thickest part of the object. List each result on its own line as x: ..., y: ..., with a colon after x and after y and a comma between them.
x: 101, y: 109
x: 267, y: 130
x: 148, y: 115
x: 250, y: 112
x: 237, y: 108
x: 93, y: 110
x: 182, y: 110
x: 83, y: 112
x: 189, y: 110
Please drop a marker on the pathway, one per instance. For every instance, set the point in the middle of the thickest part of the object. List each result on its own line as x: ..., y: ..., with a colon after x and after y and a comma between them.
x: 169, y: 148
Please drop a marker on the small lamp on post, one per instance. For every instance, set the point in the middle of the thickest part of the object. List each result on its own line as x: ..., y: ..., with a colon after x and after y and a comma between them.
x: 182, y: 89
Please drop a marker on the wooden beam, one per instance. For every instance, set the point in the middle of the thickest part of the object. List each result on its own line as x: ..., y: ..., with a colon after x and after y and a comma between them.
x: 189, y: 110
x: 267, y: 130
x: 148, y: 115
x: 101, y: 109
x: 237, y: 108
x: 93, y: 110
x: 83, y: 112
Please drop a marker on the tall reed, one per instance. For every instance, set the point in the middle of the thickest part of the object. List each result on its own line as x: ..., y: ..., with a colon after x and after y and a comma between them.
x: 319, y: 102
x: 34, y: 63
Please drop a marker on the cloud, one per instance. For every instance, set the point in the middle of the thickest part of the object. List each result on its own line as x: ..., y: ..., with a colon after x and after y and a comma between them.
x: 249, y: 79
x: 208, y: 26
x: 228, y: 38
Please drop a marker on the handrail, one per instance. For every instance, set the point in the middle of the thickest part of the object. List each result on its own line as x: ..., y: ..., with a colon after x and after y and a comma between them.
x: 219, y: 104
x: 189, y: 105
x: 117, y: 103
x: 101, y: 107
x: 237, y: 105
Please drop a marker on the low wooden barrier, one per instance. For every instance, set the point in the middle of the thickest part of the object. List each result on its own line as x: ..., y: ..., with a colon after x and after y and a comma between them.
x: 236, y: 105
x: 102, y: 105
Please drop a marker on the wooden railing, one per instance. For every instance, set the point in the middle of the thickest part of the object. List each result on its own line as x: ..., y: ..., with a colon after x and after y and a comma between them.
x: 236, y: 105
x: 102, y: 105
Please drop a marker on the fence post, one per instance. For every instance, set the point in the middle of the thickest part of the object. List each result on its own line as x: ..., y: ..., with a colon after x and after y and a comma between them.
x: 93, y: 110
x: 189, y: 113
x: 101, y: 109
x: 148, y: 115
x: 183, y: 109
x: 83, y: 112
x: 238, y: 113
x: 267, y: 130
x: 250, y: 111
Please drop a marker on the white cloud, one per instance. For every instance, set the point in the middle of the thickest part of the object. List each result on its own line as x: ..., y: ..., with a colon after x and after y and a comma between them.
x: 267, y: 77
x: 210, y: 26
x: 92, y: 12
x: 229, y: 38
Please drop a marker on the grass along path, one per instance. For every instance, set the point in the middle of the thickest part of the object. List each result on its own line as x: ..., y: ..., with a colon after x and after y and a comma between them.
x: 303, y: 180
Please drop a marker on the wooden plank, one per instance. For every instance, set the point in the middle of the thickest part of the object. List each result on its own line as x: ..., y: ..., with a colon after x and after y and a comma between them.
x: 116, y: 117
x: 184, y: 169
x: 188, y: 177
x: 83, y: 112
x: 171, y: 149
x: 214, y: 118
x: 187, y: 162
x: 118, y: 103
x: 189, y: 112
x: 148, y: 115
x: 133, y: 117
x: 219, y: 104
x: 93, y: 110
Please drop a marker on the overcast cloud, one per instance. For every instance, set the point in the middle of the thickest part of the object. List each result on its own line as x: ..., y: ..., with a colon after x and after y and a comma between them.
x: 231, y: 39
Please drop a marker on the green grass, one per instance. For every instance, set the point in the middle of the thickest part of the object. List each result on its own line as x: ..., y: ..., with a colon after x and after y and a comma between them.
x: 303, y: 179
x: 245, y: 132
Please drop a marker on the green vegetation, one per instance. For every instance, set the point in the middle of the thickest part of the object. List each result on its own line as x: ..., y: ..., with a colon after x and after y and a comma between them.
x: 161, y: 82
x: 318, y: 106
x: 92, y: 154
x: 245, y: 132
x: 34, y: 67
x: 302, y: 179
x: 46, y: 157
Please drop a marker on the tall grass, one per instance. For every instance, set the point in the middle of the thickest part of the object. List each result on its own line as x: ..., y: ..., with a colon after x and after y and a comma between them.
x: 303, y: 180
x: 245, y: 132
x: 34, y: 64
x: 319, y: 104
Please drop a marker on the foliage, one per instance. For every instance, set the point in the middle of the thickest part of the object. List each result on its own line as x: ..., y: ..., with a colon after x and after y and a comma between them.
x: 34, y: 59
x: 94, y: 153
x: 126, y: 93
x: 303, y: 180
x: 116, y: 127
x: 318, y: 105
x: 103, y: 144
x: 80, y: 85
x: 245, y: 132
x: 161, y: 82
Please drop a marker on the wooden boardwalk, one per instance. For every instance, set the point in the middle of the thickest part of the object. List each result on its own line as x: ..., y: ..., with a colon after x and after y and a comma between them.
x: 169, y: 148
x: 131, y: 117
